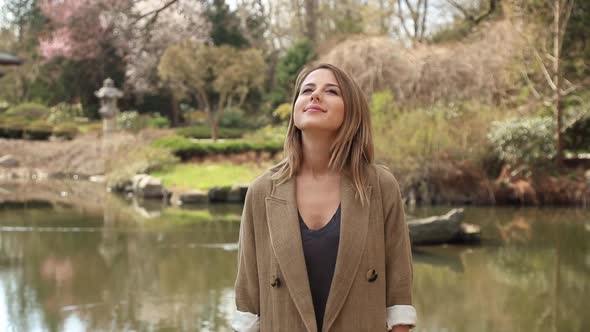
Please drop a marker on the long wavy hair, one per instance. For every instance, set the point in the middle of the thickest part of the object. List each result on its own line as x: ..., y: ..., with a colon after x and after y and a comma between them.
x: 352, y: 151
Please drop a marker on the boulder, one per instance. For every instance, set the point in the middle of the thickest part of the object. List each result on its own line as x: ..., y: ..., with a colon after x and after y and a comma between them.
x: 147, y: 186
x: 443, y: 229
x: 219, y: 194
x: 8, y: 161
x: 237, y: 193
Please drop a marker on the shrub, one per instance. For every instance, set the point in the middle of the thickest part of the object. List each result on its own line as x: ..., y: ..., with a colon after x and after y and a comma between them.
x: 283, y: 112
x: 28, y: 111
x: 64, y: 112
x: 129, y: 120
x: 410, y: 140
x: 268, y: 134
x: 158, y: 121
x: 186, y: 149
x: 38, y: 131
x: 12, y: 127
x: 234, y: 117
x: 526, y: 141
x: 204, y: 131
x: 66, y: 130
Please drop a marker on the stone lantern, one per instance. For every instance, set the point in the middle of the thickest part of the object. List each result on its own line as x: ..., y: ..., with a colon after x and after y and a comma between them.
x: 108, y: 96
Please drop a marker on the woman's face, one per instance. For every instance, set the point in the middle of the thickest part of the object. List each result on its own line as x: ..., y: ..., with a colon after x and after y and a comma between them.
x: 319, y: 104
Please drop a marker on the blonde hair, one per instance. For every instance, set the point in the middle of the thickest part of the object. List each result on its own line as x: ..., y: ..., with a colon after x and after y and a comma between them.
x: 352, y: 151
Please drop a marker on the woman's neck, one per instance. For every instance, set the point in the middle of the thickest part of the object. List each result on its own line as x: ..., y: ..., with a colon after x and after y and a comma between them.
x: 316, y: 154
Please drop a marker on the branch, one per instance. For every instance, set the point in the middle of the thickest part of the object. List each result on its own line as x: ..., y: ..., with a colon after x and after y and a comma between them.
x: 531, y: 84
x: 402, y: 20
x: 544, y: 69
x: 154, y: 12
x: 470, y: 17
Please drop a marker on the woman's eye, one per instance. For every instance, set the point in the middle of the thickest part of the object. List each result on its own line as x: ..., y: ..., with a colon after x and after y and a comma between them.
x: 305, y: 91
x: 333, y: 92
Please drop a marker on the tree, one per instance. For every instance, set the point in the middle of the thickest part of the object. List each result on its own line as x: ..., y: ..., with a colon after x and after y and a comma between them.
x: 225, y: 25
x: 416, y: 11
x: 146, y: 29
x: 216, y: 76
x: 550, y: 63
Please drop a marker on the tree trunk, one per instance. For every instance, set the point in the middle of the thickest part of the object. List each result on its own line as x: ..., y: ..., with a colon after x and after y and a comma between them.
x: 311, y: 20
x: 557, y: 81
x: 174, y: 110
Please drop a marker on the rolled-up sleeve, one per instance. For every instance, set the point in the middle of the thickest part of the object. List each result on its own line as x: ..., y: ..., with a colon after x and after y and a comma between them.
x: 398, y: 255
x: 246, y: 317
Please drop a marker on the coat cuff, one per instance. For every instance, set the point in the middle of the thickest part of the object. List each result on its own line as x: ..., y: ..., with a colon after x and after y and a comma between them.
x: 245, y: 322
x: 401, y: 314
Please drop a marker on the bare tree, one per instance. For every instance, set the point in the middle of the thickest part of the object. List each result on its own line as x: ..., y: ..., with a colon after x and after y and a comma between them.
x: 550, y: 64
x: 412, y: 18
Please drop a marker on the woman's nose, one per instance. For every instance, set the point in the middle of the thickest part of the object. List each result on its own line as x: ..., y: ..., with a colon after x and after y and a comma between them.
x: 315, y: 95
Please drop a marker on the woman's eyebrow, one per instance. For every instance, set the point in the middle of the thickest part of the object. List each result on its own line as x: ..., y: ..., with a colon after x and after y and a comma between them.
x: 327, y: 84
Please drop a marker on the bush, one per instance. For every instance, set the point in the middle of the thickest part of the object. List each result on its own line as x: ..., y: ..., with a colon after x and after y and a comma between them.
x: 129, y: 120
x: 66, y: 130
x: 204, y: 131
x: 382, y: 105
x: 283, y: 112
x: 28, y: 111
x: 409, y: 140
x: 64, y: 112
x: 158, y: 121
x: 526, y: 141
x: 38, y: 131
x: 186, y: 149
x: 268, y: 134
x: 233, y: 117
x: 12, y: 127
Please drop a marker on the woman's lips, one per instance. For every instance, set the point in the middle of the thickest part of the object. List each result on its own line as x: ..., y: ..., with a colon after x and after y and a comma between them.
x: 314, y: 108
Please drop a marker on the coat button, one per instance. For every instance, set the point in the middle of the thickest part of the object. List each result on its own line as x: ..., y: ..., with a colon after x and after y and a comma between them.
x: 372, y: 275
x: 275, y: 281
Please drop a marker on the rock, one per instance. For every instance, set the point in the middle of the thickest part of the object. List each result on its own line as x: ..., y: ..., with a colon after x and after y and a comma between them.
x: 8, y: 161
x: 148, y: 187
x: 587, y: 176
x: 219, y: 194
x: 97, y: 178
x: 436, y: 229
x: 237, y: 193
x: 189, y: 197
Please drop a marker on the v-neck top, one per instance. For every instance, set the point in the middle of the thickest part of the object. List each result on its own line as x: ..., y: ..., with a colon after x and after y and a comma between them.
x: 320, y: 248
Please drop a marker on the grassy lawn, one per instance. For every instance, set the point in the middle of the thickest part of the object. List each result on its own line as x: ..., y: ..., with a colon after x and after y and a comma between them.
x: 208, y: 175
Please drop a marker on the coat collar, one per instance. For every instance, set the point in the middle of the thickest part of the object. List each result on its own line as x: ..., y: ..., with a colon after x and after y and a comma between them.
x: 285, y: 236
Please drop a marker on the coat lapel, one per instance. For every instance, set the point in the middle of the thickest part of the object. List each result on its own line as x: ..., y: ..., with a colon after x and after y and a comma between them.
x: 353, y: 234
x: 285, y: 236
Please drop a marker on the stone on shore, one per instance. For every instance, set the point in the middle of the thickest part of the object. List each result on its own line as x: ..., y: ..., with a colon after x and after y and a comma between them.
x: 8, y: 161
x: 147, y: 186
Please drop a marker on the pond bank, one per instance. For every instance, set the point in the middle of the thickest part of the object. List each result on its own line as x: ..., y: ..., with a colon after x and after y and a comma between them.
x: 446, y: 182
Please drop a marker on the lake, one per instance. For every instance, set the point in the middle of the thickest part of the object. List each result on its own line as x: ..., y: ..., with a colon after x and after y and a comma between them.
x: 78, y: 261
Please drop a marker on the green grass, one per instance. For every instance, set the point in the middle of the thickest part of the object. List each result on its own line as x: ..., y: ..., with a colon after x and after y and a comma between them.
x: 208, y: 175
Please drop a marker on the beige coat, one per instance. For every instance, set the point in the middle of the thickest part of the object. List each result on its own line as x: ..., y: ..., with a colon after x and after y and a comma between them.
x: 373, y: 266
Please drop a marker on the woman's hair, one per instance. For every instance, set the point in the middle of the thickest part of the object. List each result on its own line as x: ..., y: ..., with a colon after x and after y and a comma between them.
x: 352, y: 150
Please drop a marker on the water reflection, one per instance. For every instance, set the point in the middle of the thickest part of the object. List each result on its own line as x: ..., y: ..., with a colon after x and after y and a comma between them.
x: 98, y: 264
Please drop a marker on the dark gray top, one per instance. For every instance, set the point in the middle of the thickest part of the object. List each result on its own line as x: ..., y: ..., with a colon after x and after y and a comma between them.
x: 320, y: 248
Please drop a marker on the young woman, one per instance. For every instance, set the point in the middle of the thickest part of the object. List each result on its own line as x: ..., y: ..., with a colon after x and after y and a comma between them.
x: 323, y: 243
